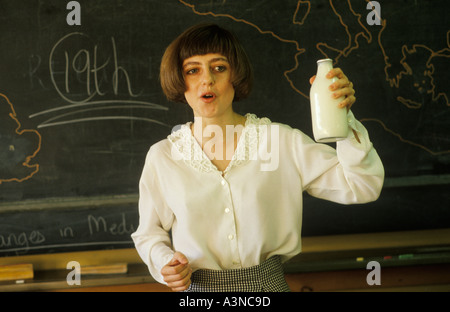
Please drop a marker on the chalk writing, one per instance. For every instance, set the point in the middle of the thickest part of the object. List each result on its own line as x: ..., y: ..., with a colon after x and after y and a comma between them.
x: 66, y: 232
x: 85, y: 62
x: 99, y: 225
x: 91, y: 232
x: 22, y: 240
x: 84, y: 77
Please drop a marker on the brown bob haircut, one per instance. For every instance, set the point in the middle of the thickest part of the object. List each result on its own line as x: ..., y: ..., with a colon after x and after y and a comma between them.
x: 200, y: 40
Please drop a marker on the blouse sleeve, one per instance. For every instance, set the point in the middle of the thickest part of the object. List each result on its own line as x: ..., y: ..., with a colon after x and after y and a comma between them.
x: 352, y: 173
x: 152, y: 238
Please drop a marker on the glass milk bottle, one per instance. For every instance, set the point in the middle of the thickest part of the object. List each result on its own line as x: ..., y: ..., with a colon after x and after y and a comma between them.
x: 328, y: 119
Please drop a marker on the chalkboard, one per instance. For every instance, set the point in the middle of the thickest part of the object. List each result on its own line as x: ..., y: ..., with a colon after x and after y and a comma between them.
x: 81, y: 104
x: 68, y: 225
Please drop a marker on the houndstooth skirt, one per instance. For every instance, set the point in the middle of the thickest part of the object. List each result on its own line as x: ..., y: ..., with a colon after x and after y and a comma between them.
x: 265, y: 277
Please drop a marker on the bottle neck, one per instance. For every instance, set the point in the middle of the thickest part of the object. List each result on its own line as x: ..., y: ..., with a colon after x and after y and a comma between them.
x: 323, y: 67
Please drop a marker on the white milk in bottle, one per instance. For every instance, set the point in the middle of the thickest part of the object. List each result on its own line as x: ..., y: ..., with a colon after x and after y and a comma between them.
x: 328, y: 119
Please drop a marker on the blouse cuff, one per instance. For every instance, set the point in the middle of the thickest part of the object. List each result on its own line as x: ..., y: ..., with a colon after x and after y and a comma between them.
x: 352, y: 121
x: 163, y: 260
x: 362, y: 141
x: 159, y: 261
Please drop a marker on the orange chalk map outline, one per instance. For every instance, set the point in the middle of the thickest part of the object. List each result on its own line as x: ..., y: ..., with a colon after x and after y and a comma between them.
x: 18, y: 131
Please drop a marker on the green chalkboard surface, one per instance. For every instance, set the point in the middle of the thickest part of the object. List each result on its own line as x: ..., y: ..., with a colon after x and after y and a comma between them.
x: 80, y: 105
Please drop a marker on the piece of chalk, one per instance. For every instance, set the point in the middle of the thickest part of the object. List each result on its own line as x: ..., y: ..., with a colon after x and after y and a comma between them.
x: 359, y: 259
x: 406, y: 256
x: 387, y: 257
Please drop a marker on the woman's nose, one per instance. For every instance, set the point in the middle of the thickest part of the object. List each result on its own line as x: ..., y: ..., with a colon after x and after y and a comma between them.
x: 208, y: 77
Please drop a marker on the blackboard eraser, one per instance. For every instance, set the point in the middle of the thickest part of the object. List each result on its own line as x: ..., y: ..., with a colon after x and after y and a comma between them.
x: 14, y: 272
x: 118, y: 268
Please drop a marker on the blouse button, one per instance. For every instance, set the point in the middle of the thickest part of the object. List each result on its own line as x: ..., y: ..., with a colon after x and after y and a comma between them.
x: 230, y: 237
x: 227, y: 210
x: 223, y: 182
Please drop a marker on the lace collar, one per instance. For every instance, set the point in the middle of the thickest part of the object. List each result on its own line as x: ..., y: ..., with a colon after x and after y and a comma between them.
x: 186, y: 147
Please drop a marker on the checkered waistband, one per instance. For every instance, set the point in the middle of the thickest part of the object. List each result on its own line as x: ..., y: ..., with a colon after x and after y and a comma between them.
x: 267, y: 276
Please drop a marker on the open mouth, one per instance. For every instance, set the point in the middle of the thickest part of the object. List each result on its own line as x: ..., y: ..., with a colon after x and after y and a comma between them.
x: 208, y: 96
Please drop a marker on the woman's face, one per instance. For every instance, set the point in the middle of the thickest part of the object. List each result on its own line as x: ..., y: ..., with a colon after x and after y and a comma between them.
x: 209, y: 90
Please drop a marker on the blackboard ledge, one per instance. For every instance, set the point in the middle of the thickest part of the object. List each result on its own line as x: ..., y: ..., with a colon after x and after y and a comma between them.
x: 67, y: 202
x: 373, y: 243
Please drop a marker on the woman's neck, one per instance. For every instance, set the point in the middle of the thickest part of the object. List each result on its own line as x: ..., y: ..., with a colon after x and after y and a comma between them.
x: 219, y: 137
x: 222, y: 121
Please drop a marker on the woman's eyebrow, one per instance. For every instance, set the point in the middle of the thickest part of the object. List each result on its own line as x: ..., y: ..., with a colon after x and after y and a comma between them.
x: 216, y: 59
x: 191, y: 63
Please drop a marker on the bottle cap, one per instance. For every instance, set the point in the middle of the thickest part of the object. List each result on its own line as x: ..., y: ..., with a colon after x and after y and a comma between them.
x: 324, y: 60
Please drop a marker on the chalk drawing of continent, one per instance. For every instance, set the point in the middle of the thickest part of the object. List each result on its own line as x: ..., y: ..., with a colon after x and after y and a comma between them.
x: 421, y: 79
x: 17, y: 146
x: 421, y: 86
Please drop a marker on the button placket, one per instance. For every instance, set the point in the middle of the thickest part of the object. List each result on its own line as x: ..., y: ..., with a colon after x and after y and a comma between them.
x: 232, y: 234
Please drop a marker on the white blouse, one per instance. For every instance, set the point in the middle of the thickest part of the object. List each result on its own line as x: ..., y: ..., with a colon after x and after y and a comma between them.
x: 253, y: 210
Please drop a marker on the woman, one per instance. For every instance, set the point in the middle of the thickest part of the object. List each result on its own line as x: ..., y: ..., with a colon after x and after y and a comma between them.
x: 234, y: 221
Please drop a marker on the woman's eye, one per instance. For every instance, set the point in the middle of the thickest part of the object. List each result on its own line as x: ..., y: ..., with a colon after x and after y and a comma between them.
x: 220, y: 68
x: 192, y: 71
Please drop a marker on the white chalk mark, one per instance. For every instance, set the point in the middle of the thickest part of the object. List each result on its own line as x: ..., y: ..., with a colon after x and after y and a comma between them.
x: 150, y: 105
x: 59, y: 123
x: 95, y: 109
x: 85, y: 64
